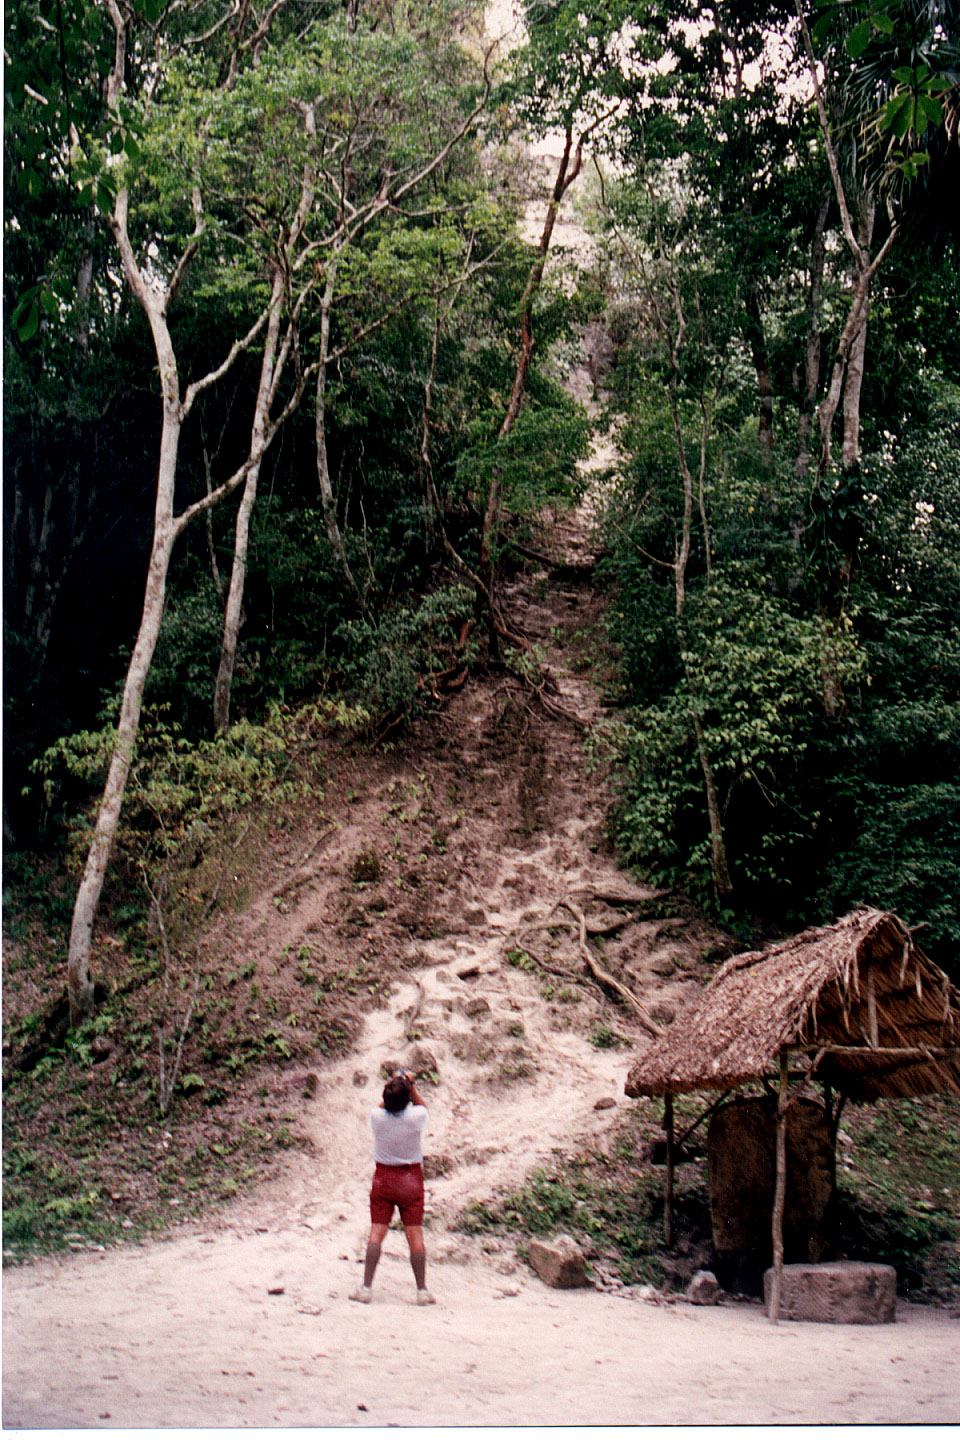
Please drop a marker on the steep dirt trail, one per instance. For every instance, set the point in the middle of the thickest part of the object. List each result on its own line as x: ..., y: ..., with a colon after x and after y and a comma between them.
x: 244, y: 1319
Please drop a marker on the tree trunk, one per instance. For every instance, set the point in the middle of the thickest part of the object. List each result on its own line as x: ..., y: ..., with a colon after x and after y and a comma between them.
x: 327, y: 498
x: 722, y: 883
x: 718, y: 850
x: 761, y: 364
x: 853, y: 387
x: 155, y: 302
x: 79, y: 982
x: 811, y: 371
x: 234, y: 607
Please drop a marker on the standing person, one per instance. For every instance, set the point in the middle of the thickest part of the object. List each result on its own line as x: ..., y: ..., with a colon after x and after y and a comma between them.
x: 397, y: 1123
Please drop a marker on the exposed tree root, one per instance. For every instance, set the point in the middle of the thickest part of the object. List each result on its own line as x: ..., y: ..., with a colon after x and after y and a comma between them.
x: 550, y: 921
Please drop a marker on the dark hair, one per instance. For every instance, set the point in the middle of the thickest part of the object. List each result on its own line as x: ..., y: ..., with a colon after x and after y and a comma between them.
x: 396, y: 1094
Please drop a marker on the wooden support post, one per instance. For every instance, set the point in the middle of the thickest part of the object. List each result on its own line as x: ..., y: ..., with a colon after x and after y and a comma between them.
x: 668, y: 1196
x: 780, y: 1194
x: 872, y: 1025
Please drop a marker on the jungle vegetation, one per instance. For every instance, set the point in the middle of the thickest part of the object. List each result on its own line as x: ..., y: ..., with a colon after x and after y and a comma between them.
x: 283, y: 398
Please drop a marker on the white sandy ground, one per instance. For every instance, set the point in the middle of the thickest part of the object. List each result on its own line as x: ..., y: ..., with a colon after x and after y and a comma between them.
x: 186, y: 1333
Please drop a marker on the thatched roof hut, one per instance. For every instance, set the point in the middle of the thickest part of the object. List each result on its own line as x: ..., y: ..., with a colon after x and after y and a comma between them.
x: 857, y: 1002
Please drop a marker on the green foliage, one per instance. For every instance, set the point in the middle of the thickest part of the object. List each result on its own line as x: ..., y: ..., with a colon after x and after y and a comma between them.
x: 183, y: 797
x: 537, y: 460
x: 753, y: 671
x: 897, y: 1191
x: 390, y: 661
x: 605, y: 1200
x: 606, y: 1039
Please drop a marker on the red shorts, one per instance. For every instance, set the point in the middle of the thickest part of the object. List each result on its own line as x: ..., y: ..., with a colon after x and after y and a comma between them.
x: 400, y: 1185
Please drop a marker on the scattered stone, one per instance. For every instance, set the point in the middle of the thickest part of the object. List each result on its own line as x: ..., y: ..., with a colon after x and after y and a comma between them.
x: 507, y: 1293
x: 474, y: 915
x: 276, y: 1290
x: 421, y: 1061
x: 467, y: 973
x: 839, y: 1292
x: 359, y: 1079
x: 310, y: 1083
x: 477, y: 1006
x: 679, y: 1270
x: 663, y: 1014
x: 703, y: 1289
x: 507, y: 1267
x: 558, y: 1262
x: 647, y: 1292
x: 663, y: 965
x: 607, y: 1103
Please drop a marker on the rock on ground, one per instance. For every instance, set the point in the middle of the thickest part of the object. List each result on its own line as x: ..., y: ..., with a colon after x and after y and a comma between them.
x: 558, y: 1262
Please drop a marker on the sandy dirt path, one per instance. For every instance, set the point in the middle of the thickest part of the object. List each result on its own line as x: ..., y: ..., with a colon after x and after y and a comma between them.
x: 187, y: 1334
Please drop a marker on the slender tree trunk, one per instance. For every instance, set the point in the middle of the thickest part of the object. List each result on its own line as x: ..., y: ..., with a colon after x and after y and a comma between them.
x: 79, y: 983
x: 208, y: 519
x: 234, y: 607
x: 155, y: 303
x: 327, y: 498
x: 566, y: 174
x: 853, y: 386
x: 718, y: 845
x: 720, y: 870
x: 272, y: 364
x: 433, y: 519
x: 812, y: 353
x: 761, y: 363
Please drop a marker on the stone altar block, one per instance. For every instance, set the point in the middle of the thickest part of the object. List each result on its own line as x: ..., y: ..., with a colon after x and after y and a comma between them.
x: 839, y: 1292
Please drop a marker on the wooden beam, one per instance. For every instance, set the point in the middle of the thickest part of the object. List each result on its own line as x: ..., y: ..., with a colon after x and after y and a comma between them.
x: 884, y: 1052
x: 780, y: 1194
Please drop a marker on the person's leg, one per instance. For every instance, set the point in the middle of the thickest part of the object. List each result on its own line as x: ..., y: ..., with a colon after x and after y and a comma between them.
x: 418, y: 1262
x: 372, y: 1257
x: 380, y: 1214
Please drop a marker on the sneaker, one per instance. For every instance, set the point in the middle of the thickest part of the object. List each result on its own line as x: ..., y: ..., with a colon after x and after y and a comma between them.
x: 425, y: 1298
x: 364, y: 1295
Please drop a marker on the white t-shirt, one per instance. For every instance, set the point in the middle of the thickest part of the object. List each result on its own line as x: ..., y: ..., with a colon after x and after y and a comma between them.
x: 398, y: 1139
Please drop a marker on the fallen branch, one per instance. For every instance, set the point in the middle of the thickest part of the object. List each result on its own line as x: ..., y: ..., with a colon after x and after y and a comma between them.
x: 605, y: 977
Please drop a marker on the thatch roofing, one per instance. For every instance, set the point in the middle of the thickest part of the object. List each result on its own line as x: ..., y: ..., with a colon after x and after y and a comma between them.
x: 861, y: 984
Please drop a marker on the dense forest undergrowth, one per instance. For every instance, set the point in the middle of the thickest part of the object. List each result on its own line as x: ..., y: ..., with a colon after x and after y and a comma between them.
x: 274, y: 340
